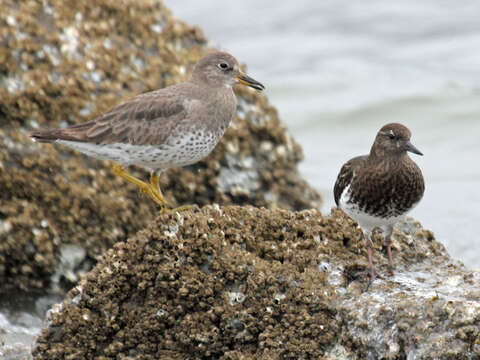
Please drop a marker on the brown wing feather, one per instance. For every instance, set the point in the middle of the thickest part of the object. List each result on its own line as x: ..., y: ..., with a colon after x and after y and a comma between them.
x: 346, y: 175
x: 130, y: 122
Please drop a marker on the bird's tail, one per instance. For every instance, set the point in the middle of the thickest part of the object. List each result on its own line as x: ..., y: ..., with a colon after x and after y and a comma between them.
x: 72, y: 133
x: 45, y: 135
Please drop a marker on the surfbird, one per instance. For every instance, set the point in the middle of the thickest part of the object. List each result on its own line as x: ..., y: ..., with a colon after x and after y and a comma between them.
x: 171, y: 127
x: 378, y: 189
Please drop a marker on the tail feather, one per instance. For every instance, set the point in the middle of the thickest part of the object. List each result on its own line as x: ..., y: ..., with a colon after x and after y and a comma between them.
x: 51, y: 135
x: 72, y: 133
x: 44, y: 136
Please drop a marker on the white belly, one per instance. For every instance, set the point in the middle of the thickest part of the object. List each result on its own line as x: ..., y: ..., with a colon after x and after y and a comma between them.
x: 366, y: 221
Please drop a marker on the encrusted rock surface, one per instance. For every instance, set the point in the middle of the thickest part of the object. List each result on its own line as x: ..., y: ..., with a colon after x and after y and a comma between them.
x: 64, y: 62
x: 242, y: 282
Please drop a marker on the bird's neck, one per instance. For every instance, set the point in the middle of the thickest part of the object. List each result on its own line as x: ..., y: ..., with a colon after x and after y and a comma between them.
x: 378, y: 155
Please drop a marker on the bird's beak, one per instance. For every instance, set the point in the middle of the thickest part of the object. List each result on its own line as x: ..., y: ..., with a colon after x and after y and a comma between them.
x: 409, y: 147
x: 247, y: 80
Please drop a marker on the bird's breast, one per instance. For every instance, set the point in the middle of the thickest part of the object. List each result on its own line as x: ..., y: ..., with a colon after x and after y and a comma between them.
x: 387, y: 193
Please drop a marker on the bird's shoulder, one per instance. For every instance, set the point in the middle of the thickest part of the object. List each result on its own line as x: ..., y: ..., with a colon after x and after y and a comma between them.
x: 346, y: 175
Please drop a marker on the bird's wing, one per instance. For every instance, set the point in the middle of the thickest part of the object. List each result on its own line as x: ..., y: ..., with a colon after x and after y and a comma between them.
x: 145, y: 119
x: 345, y: 177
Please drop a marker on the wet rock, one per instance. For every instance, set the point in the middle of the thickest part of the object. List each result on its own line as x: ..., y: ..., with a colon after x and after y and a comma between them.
x: 243, y: 282
x: 65, y: 62
x: 21, y: 318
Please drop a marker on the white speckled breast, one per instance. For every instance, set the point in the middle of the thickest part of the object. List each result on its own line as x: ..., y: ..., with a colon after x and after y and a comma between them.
x: 179, y: 149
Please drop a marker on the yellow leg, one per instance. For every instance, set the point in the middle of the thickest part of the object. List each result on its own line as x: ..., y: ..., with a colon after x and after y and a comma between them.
x: 152, y: 190
x: 182, y: 208
x: 155, y: 185
x: 154, y: 181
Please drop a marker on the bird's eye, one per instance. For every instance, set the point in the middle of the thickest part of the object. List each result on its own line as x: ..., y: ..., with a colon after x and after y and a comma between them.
x: 223, y: 66
x: 391, y: 136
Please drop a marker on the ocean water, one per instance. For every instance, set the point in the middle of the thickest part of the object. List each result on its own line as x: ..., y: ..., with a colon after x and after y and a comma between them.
x: 339, y: 70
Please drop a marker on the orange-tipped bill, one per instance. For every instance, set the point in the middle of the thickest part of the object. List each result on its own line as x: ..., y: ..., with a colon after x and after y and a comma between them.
x: 247, y: 80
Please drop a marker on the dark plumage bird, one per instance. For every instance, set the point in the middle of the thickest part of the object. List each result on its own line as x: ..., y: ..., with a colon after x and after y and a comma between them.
x: 174, y: 126
x: 378, y: 189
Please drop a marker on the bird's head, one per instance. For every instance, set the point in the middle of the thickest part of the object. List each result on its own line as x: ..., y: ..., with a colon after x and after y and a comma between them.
x: 393, y: 139
x: 220, y: 68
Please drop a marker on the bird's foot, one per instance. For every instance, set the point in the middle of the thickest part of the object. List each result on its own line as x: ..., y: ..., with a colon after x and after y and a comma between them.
x: 155, y: 196
x: 372, y: 276
x: 390, y: 270
x: 179, y: 209
x: 152, y: 190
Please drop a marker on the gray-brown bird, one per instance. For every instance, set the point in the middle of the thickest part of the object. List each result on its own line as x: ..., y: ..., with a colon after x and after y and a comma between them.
x: 175, y: 126
x: 378, y: 189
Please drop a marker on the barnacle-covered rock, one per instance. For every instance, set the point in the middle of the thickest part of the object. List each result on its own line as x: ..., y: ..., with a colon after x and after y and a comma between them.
x: 64, y: 62
x: 242, y: 282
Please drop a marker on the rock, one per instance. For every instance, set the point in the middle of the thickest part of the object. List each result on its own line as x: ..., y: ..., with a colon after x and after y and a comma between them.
x: 65, y: 62
x: 241, y: 282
